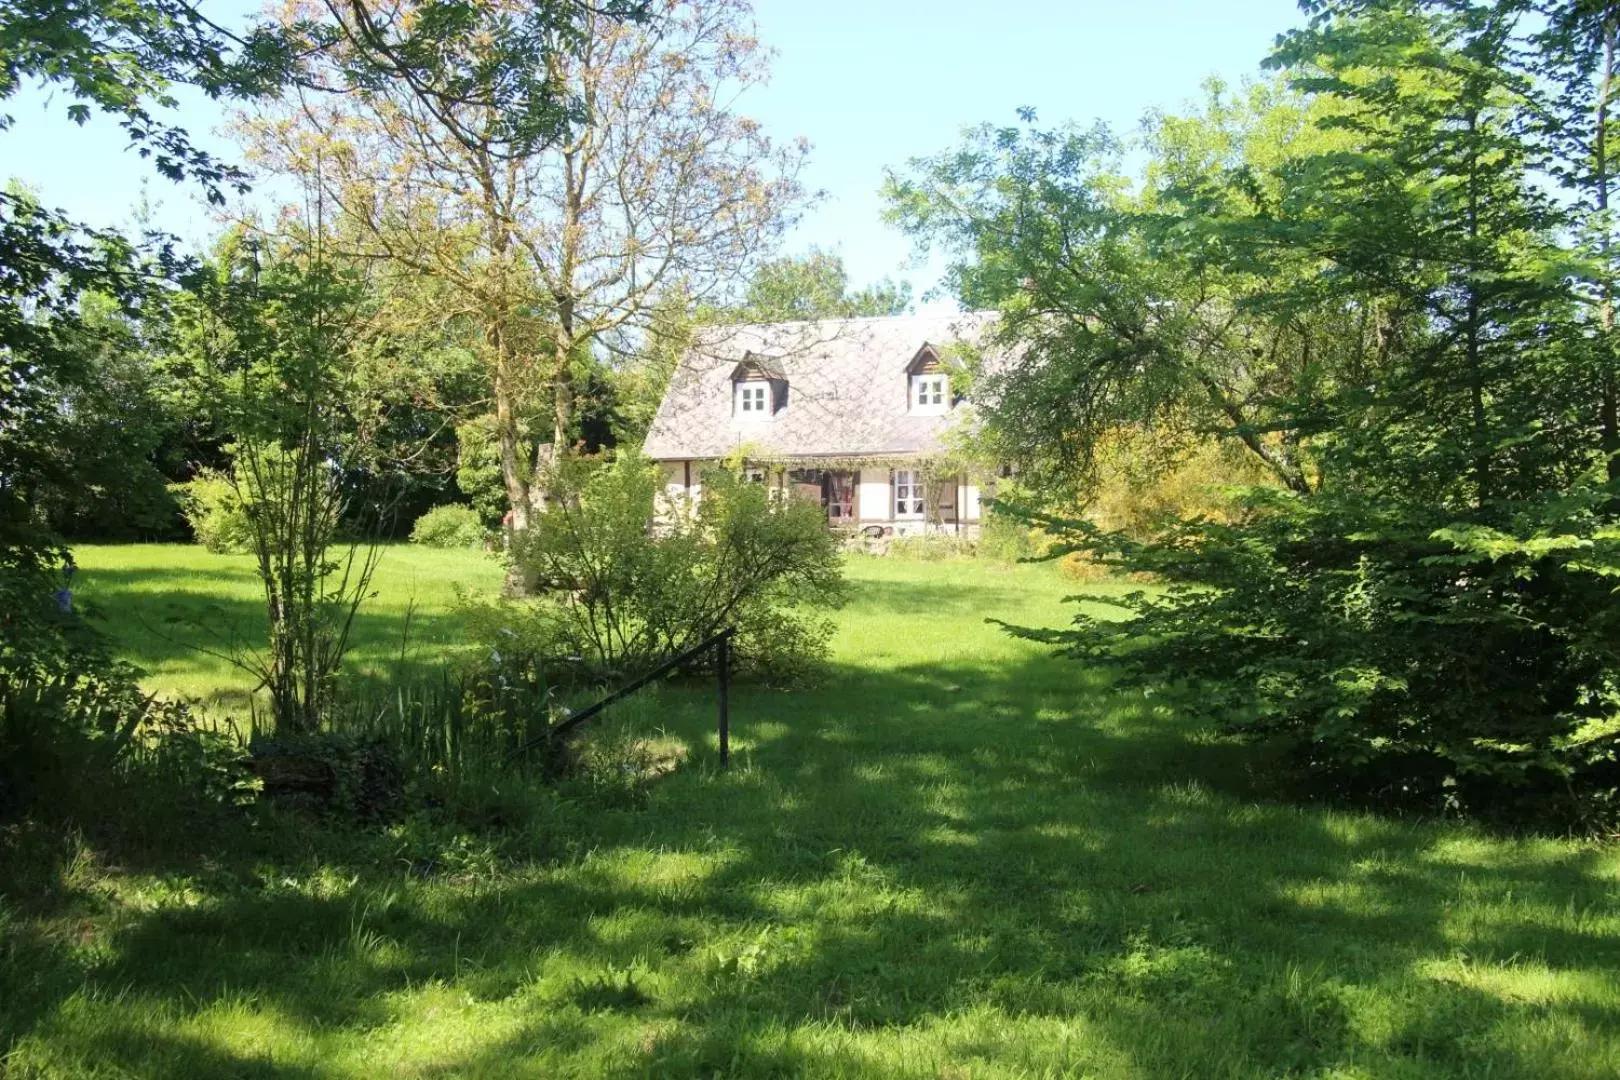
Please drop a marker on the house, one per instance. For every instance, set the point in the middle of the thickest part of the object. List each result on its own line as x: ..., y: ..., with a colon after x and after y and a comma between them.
x: 856, y: 413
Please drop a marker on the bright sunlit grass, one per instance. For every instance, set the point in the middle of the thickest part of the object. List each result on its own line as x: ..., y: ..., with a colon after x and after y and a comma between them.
x: 177, y: 611
x: 959, y: 857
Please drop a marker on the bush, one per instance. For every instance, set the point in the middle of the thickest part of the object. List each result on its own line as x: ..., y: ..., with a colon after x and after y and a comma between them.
x: 622, y: 595
x: 471, y: 716
x: 357, y: 777
x: 449, y: 526
x: 82, y: 738
x: 217, y: 517
x: 1145, y: 479
x: 1416, y: 661
x: 1083, y: 567
x: 1007, y: 538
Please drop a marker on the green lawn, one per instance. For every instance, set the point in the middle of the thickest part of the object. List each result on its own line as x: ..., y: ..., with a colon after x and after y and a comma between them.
x: 177, y: 611
x: 958, y: 858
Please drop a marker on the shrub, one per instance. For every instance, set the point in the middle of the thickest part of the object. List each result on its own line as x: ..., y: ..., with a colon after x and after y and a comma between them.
x: 357, y: 777
x: 450, y: 526
x: 82, y: 737
x: 478, y: 470
x: 623, y: 595
x: 1146, y: 478
x: 1082, y: 566
x: 471, y: 716
x: 1006, y: 538
x: 1417, y: 661
x: 217, y: 517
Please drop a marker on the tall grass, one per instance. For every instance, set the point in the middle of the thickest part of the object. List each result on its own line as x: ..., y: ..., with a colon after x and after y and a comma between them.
x: 449, y: 720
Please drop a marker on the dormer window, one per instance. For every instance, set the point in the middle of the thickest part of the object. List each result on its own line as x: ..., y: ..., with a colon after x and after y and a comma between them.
x: 753, y: 399
x: 928, y: 384
x: 759, y: 388
x: 930, y: 393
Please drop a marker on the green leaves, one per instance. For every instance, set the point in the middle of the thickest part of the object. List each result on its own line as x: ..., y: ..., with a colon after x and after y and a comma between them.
x: 813, y: 286
x: 1368, y: 283
x: 631, y: 576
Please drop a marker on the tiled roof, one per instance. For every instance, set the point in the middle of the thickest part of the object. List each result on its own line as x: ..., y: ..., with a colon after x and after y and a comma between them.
x: 847, y: 389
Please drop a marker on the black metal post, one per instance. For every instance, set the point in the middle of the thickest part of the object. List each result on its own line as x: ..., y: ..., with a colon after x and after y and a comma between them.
x: 724, y: 668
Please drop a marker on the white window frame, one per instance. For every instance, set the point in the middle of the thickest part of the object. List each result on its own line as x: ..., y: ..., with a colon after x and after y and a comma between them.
x: 930, y: 393
x: 754, y: 399
x: 913, y: 504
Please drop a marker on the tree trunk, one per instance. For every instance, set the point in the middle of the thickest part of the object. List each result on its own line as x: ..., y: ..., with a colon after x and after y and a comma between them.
x: 509, y: 438
x: 562, y: 402
x: 1479, y: 437
x: 1608, y: 385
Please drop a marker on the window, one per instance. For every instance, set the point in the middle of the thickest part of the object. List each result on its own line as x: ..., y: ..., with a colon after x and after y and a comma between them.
x: 753, y: 476
x: 908, y: 494
x: 840, y: 489
x: 753, y: 398
x: 929, y: 393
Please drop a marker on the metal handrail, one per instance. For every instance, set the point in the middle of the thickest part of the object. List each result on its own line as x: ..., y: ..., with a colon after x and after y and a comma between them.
x: 720, y: 641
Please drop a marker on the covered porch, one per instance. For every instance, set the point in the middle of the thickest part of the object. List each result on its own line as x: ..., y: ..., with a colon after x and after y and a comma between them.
x: 905, y: 497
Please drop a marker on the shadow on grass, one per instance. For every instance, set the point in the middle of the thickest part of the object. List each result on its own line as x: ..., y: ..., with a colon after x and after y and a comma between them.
x: 190, y: 629
x: 960, y: 866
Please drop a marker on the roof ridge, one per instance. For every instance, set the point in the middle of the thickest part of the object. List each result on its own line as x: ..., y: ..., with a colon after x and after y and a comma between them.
x: 855, y: 319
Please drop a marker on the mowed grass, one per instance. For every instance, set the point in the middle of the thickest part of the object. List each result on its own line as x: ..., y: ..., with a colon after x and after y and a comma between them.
x: 960, y: 857
x: 180, y: 613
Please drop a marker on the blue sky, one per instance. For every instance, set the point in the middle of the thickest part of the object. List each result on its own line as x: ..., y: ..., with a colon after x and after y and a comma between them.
x: 870, y: 84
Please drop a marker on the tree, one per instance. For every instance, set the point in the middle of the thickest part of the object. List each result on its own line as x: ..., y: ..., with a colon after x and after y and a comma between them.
x: 567, y: 249
x: 122, y: 57
x: 620, y: 598
x: 814, y: 286
x: 115, y: 438
x: 1157, y: 303
x: 272, y: 349
x: 1403, y: 318
x: 1568, y: 68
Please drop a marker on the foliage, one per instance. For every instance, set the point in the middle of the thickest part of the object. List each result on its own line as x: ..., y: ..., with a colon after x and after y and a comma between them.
x: 469, y: 717
x: 450, y: 526
x: 1425, y: 664
x: 1122, y: 306
x: 1003, y: 536
x: 927, y: 548
x: 1082, y: 566
x: 478, y: 472
x: 114, y: 434
x: 814, y: 286
x: 625, y: 594
x: 214, y: 512
x: 121, y: 59
x: 77, y: 731
x: 48, y: 266
x: 359, y: 778
x: 567, y: 251
x: 124, y: 58
x: 271, y: 350
x: 1140, y: 482
x: 1385, y: 291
